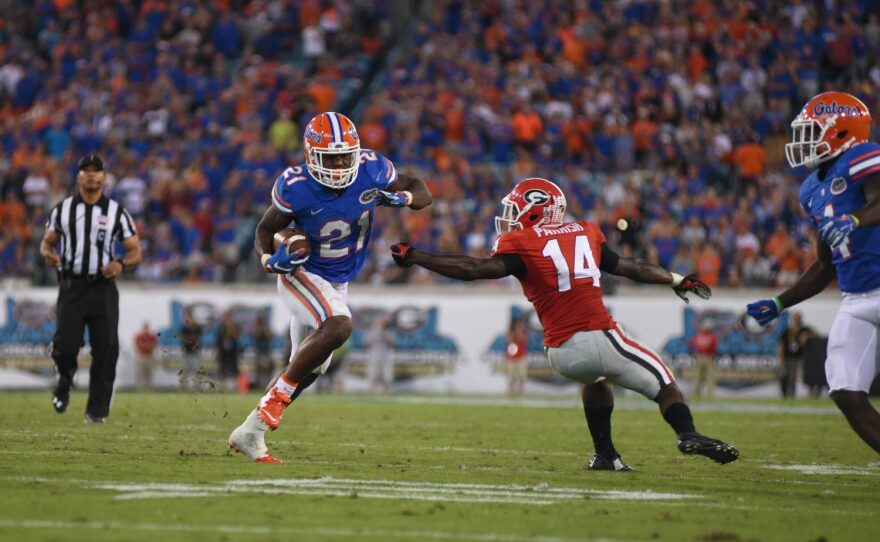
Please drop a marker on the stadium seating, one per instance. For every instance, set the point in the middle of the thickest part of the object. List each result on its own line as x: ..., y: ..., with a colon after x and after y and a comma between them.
x: 663, y: 121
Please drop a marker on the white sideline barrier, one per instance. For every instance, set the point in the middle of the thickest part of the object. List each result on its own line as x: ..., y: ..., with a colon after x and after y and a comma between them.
x: 472, y: 316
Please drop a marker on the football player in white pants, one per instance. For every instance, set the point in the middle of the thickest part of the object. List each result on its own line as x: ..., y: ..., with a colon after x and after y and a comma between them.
x: 842, y: 196
x: 331, y: 198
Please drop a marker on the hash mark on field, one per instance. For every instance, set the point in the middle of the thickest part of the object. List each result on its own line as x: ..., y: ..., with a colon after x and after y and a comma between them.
x: 828, y: 469
x: 541, y: 494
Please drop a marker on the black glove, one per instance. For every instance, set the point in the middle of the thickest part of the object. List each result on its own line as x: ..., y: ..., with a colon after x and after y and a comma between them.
x: 692, y: 284
x: 400, y: 252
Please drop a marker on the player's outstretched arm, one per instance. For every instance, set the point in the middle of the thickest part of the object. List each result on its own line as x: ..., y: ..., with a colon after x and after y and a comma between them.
x: 457, y: 266
x: 646, y: 272
x: 414, y: 189
x: 816, y: 278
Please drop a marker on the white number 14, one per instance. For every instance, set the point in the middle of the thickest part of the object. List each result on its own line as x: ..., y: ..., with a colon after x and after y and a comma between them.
x: 584, y: 262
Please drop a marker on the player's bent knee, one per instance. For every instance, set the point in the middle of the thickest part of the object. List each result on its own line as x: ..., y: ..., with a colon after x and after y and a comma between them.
x: 670, y: 393
x: 848, y: 400
x: 337, y: 330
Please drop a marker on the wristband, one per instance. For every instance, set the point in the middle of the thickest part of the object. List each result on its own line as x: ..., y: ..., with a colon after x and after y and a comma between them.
x: 408, y: 195
x: 779, y: 306
x: 676, y: 279
x: 264, y: 258
x: 855, y: 219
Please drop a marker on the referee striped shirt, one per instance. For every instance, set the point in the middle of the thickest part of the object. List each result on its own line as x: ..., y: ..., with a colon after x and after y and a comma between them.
x: 88, y: 233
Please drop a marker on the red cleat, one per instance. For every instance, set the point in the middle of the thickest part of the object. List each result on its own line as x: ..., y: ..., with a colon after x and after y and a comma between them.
x: 272, y: 407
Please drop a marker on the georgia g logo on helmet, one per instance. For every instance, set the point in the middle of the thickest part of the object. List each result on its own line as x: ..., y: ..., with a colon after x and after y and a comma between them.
x: 532, y: 203
x: 536, y: 197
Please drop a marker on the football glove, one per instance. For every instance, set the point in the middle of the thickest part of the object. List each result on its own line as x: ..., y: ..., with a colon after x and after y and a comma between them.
x: 765, y: 310
x: 400, y: 252
x: 283, y: 263
x: 394, y: 199
x: 834, y: 230
x: 693, y: 284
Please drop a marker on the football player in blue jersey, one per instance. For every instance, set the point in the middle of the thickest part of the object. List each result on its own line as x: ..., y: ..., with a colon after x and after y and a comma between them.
x: 331, y: 197
x: 842, y: 196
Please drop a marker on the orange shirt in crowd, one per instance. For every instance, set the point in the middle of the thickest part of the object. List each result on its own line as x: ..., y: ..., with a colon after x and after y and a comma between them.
x: 373, y: 135
x: 526, y: 126
x: 750, y: 159
x: 644, y: 131
x: 324, y: 95
x: 708, y: 265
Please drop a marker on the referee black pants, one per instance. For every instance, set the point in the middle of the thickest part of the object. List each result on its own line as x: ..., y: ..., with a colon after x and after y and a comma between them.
x: 92, y: 304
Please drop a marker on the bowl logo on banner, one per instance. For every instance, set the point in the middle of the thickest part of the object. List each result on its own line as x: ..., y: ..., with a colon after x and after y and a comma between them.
x: 747, y: 353
x: 209, y: 317
x: 406, y: 334
x: 26, y: 337
x: 502, y: 350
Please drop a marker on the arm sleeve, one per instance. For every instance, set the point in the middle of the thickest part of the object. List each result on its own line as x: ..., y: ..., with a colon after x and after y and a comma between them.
x: 609, y: 259
x: 127, y: 227
x: 380, y: 168
x: 513, y: 264
x: 389, y: 174
x: 280, y: 195
x: 54, y: 222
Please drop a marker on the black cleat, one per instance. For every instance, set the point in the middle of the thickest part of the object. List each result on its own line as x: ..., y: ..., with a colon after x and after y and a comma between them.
x: 600, y: 463
x: 716, y: 450
x: 94, y: 419
x: 61, y: 396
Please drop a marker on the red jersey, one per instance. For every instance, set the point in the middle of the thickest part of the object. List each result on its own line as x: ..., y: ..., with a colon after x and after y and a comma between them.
x: 562, y: 277
x: 704, y: 343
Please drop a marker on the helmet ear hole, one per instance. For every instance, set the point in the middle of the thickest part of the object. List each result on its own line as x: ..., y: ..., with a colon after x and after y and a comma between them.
x: 533, y: 217
x: 842, y: 134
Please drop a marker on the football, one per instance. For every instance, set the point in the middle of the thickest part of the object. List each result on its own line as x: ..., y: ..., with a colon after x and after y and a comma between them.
x: 298, y: 240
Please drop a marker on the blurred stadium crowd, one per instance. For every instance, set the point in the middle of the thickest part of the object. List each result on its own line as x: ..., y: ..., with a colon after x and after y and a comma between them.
x: 663, y: 121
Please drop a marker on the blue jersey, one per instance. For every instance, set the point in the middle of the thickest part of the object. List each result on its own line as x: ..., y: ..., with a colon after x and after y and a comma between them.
x: 839, y: 192
x: 337, y: 223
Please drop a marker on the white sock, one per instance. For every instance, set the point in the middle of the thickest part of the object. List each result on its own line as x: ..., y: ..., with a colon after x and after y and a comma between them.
x: 285, y: 386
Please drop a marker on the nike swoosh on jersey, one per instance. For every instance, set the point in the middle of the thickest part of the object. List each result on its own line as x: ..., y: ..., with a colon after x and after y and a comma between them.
x: 316, y: 211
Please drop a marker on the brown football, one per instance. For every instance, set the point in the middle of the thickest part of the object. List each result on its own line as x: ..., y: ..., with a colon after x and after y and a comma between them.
x: 298, y: 240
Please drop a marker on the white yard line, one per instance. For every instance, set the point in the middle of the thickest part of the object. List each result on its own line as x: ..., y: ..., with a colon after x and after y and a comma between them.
x: 264, y: 530
x: 537, y: 402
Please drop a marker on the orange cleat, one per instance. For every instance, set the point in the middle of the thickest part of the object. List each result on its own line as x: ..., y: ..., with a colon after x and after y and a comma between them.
x: 272, y: 407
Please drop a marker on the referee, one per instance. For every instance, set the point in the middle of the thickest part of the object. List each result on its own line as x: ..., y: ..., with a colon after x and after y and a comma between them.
x: 87, y: 226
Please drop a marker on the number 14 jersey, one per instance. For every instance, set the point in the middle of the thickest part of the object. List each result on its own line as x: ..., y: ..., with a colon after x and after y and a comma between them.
x: 562, y: 277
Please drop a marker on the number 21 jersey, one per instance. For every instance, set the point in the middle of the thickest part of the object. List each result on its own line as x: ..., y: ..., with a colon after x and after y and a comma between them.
x: 562, y: 277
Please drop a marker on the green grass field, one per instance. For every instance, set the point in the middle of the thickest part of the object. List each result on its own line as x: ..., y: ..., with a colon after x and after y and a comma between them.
x: 427, y: 468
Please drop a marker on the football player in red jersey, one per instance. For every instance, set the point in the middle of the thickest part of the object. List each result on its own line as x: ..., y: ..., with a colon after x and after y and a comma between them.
x: 559, y: 266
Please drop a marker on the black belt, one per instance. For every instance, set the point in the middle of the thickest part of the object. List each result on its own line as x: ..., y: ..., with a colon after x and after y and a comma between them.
x: 82, y: 278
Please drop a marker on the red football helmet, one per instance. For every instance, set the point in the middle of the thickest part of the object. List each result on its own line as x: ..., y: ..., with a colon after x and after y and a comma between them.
x: 828, y: 125
x: 332, y: 134
x: 531, y: 204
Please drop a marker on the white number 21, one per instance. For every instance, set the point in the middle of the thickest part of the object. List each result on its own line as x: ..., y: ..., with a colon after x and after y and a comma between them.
x: 584, y: 262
